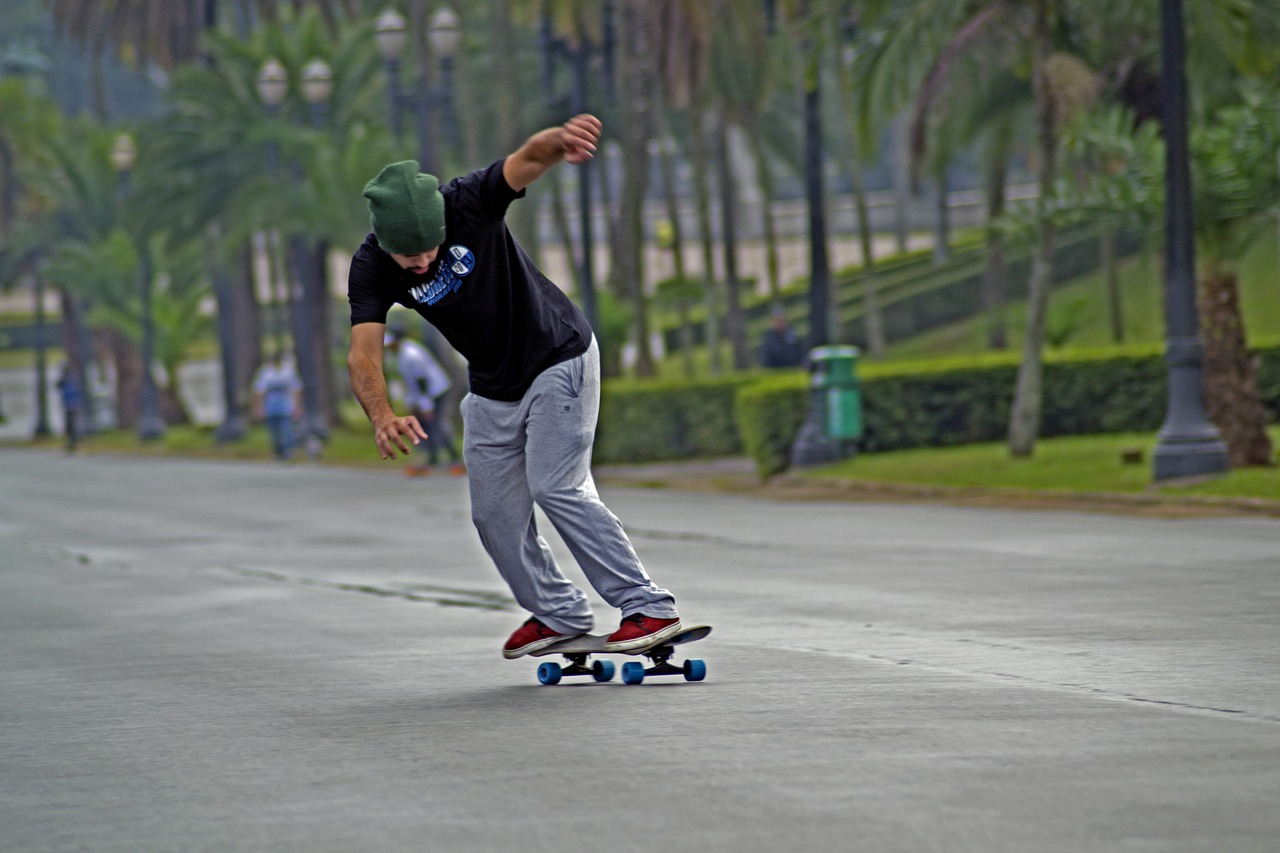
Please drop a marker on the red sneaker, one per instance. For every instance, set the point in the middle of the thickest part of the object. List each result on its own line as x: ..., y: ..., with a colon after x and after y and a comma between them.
x: 530, y: 637
x: 640, y: 632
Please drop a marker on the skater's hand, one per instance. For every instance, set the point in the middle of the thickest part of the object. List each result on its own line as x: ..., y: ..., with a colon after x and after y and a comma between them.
x: 387, y: 434
x: 578, y: 138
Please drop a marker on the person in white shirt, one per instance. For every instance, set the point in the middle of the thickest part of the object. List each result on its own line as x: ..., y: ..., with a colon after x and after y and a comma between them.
x: 426, y: 384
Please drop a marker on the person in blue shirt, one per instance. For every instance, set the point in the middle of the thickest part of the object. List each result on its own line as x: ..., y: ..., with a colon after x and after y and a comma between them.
x: 277, y: 399
x: 72, y: 405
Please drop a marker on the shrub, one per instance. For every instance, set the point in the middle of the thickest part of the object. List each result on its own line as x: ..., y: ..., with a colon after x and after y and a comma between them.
x: 656, y: 421
x: 964, y: 401
x: 770, y: 413
x: 933, y: 403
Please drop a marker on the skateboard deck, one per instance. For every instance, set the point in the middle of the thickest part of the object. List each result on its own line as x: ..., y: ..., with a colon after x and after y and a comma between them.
x: 579, y: 649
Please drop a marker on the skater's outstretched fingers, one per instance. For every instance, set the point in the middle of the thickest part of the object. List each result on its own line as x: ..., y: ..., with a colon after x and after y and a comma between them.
x: 388, y: 435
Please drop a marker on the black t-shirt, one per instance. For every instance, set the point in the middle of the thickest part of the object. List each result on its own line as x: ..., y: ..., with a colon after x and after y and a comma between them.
x: 483, y: 292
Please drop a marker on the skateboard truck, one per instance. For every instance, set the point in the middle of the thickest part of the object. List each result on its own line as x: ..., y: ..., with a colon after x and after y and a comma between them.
x: 634, y: 672
x: 551, y: 673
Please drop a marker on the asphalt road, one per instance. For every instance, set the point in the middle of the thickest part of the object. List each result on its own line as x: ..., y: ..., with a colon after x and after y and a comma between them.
x: 199, y: 656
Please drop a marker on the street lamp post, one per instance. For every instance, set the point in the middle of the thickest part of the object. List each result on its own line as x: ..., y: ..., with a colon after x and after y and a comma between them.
x: 391, y: 36
x: 150, y: 425
x: 444, y: 34
x: 273, y: 86
x: 1188, y: 445
x: 310, y: 329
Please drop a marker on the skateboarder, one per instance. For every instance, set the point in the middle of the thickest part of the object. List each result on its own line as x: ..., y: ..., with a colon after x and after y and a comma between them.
x: 534, y: 371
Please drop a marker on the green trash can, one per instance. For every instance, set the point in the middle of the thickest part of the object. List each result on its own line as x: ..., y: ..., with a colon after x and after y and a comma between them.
x: 835, y: 375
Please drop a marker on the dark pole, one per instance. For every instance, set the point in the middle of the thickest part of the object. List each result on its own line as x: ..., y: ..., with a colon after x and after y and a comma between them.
x: 446, y: 101
x: 819, y: 274
x: 42, y: 365
x: 278, y: 300
x: 393, y: 93
x: 319, y: 280
x: 1188, y: 445
x: 814, y: 445
x: 424, y: 102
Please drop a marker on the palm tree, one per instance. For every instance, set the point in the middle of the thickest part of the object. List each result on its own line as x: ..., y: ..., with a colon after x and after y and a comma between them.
x: 215, y: 145
x: 1234, y: 184
x: 928, y: 46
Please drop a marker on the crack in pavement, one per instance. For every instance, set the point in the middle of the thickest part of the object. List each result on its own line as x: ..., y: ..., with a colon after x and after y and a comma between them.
x: 1235, y: 713
x: 423, y: 593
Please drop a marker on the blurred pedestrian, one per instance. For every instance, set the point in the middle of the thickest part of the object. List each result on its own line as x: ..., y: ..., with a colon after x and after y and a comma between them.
x: 781, y: 347
x: 277, y: 399
x: 72, y: 397
x: 534, y: 367
x: 426, y: 384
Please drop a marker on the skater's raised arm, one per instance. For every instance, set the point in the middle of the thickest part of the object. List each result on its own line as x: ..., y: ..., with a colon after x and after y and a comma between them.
x: 573, y: 142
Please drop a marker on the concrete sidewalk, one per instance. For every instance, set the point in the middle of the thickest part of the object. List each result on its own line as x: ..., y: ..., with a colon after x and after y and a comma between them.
x: 213, y: 656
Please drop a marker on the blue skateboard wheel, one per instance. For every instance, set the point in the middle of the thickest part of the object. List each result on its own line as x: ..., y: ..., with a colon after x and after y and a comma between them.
x: 603, y: 670
x: 694, y: 670
x: 632, y: 672
x: 549, y: 673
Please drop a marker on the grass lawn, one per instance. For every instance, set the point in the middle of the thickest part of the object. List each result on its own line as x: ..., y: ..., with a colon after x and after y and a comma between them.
x: 1081, y: 307
x: 346, y: 446
x: 1082, y: 464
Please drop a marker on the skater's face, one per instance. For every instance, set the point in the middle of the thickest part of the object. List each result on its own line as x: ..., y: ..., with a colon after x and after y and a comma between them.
x: 419, y: 263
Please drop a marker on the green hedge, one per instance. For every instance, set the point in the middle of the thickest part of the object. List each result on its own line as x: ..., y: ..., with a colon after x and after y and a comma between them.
x: 770, y: 413
x: 920, y: 404
x: 964, y: 401
x: 658, y: 421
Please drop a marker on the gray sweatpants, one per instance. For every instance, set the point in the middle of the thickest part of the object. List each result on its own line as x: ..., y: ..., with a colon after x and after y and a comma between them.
x: 538, y: 450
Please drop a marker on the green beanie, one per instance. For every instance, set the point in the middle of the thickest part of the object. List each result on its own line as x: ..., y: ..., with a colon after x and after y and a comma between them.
x: 406, y: 209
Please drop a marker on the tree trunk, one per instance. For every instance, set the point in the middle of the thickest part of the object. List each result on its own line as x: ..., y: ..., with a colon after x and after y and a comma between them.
x: 942, y: 218
x: 1024, y: 419
x: 872, y: 315
x: 1230, y: 373
x: 901, y: 181
x: 764, y: 178
x: 1111, y: 268
x: 995, y: 283
x: 677, y: 255
x: 169, y: 402
x: 735, y: 327
x: 128, y: 364
x: 628, y: 266
x: 8, y: 188
x: 247, y: 328
x: 701, y: 171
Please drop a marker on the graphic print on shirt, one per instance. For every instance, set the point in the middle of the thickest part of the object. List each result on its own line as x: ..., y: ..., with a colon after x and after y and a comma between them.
x: 458, y: 263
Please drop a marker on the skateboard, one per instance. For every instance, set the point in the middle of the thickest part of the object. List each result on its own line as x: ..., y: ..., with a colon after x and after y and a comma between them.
x: 578, y: 650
